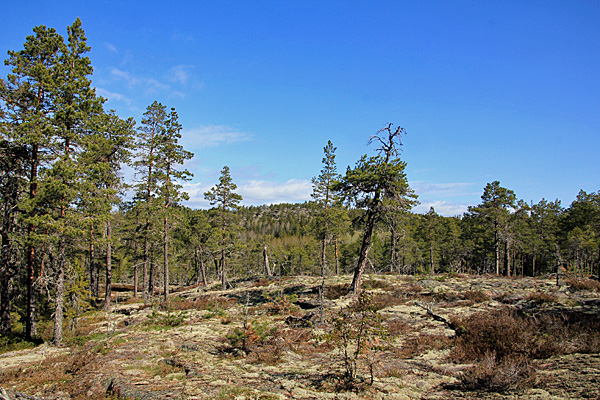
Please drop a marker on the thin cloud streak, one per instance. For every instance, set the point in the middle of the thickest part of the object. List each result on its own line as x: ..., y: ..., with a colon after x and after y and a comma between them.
x: 114, y: 96
x: 214, y: 135
x: 443, y: 189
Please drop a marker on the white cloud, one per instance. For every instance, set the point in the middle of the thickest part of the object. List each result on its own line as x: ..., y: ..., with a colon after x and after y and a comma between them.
x: 445, y: 208
x: 441, y: 189
x: 265, y: 192
x: 113, y: 96
x: 111, y: 47
x: 151, y: 84
x: 448, y: 199
x: 180, y: 74
x: 254, y: 192
x: 213, y: 135
x: 196, y: 192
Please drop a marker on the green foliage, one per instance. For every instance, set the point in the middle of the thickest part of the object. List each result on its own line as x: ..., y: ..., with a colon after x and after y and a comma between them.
x: 14, y: 342
x: 169, y: 319
x: 281, y: 304
x: 252, y: 334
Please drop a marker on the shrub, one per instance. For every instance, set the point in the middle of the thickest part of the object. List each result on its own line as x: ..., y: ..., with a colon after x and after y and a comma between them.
x: 503, y: 343
x: 359, y: 334
x: 249, y: 336
x: 385, y: 300
x: 334, y: 292
x: 376, y: 284
x: 511, y: 373
x: 476, y: 296
x: 584, y: 284
x: 282, y: 305
x: 397, y: 327
x: 410, y: 290
x: 499, y: 332
x: 542, y: 298
x: 14, y: 342
x: 168, y: 320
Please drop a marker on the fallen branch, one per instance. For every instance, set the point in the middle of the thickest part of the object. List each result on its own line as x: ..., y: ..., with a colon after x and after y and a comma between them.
x: 459, y: 330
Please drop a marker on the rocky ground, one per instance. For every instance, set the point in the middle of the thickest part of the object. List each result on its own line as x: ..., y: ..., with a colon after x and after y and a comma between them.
x: 252, y: 342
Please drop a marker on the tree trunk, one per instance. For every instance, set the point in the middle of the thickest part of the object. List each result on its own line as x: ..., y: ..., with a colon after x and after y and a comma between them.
x: 135, y: 267
x: 166, y: 258
x: 145, y: 280
x: 364, y: 254
x: 30, y: 326
x: 223, y: 237
x: 93, y: 269
x: 497, y: 253
x: 431, y: 257
x: 108, y: 265
x: 508, y: 258
x: 5, y: 321
x: 337, y: 261
x: 60, y: 294
x: 266, y: 259
x: 223, y: 277
x: 393, y: 240
x: 324, y: 254
x: 202, y: 269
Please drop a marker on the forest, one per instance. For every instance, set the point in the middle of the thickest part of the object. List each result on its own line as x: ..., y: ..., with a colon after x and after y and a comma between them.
x: 74, y: 230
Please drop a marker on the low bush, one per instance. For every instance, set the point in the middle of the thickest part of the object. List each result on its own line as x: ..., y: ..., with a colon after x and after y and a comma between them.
x: 409, y: 290
x: 282, y: 305
x: 15, y: 342
x: 512, y: 373
x: 476, y: 296
x: 334, y: 292
x: 542, y: 298
x: 376, y: 284
x: 165, y: 320
x: 580, y: 284
x: 506, y: 342
x: 398, y: 326
x: 385, y: 300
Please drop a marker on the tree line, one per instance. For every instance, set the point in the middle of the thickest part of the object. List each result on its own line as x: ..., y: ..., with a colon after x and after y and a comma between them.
x: 69, y: 233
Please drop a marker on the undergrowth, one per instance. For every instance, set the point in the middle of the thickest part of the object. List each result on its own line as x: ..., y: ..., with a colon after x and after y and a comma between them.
x: 503, y: 344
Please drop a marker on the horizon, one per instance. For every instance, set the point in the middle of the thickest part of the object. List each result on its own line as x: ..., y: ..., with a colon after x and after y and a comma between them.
x: 505, y: 91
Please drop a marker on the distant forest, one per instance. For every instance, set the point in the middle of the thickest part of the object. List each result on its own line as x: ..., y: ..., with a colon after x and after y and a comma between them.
x: 68, y: 234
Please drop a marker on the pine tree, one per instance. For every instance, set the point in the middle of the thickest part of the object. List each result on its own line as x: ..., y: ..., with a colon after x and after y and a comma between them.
x: 146, y: 165
x: 328, y: 200
x: 495, y: 211
x: 170, y: 155
x: 28, y: 93
x: 377, y: 185
x: 107, y: 146
x: 225, y: 199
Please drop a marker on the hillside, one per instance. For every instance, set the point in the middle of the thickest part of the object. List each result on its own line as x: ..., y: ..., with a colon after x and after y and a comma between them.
x: 436, y: 337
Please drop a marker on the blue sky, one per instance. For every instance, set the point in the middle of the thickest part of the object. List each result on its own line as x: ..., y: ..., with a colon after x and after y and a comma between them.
x: 486, y: 90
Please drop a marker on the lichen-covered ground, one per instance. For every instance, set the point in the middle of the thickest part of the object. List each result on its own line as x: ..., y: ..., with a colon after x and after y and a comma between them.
x: 237, y: 344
